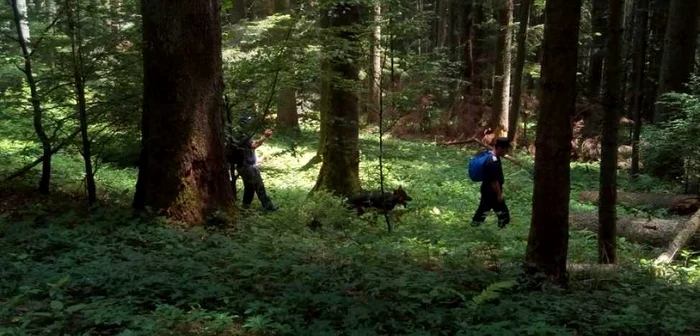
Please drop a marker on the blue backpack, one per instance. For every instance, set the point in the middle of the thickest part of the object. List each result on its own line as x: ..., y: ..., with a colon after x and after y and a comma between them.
x: 476, y: 165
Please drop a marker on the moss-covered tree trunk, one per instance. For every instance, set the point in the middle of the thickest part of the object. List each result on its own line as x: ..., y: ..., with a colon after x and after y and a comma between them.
x: 340, y: 148
x: 183, y: 170
x: 501, y: 87
x: 607, y: 239
x: 548, y: 240
x: 525, y: 6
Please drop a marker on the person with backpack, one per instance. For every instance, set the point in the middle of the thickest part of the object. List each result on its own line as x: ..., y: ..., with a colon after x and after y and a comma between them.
x: 242, y: 155
x: 486, y: 168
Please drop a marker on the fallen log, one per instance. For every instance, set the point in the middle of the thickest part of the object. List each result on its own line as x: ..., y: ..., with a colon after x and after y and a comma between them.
x: 650, y: 231
x: 36, y: 162
x: 691, y: 227
x: 680, y: 204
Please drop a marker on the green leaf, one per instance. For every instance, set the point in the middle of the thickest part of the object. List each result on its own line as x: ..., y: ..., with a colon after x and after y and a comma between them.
x: 56, y: 305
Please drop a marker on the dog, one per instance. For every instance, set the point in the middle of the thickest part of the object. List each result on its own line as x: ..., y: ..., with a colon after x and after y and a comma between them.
x: 383, y: 202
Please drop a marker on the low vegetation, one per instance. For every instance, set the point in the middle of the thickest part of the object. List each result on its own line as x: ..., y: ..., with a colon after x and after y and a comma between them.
x: 112, y: 273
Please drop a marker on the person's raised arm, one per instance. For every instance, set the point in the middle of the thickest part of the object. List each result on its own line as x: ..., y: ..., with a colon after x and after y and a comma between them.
x: 257, y: 143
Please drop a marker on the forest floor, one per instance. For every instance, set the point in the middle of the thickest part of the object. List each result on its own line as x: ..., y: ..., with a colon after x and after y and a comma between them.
x: 66, y: 272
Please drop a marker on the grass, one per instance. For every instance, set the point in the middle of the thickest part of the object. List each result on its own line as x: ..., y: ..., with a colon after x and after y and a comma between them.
x: 68, y: 272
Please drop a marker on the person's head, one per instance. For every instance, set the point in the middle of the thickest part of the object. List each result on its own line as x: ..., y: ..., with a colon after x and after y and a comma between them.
x: 502, y: 146
x: 245, y: 120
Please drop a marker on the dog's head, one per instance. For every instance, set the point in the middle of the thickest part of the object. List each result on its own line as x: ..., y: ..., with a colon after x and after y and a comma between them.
x: 401, y: 197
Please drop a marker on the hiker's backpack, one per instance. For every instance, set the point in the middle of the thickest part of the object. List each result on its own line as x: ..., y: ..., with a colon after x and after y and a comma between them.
x: 476, y: 165
x: 234, y: 151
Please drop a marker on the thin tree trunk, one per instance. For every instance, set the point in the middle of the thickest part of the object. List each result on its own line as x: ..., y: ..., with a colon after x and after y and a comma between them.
x: 599, y: 30
x: 678, y: 58
x: 19, y: 11
x: 501, y: 89
x: 341, y: 158
x: 182, y: 172
x: 73, y: 10
x: 607, y: 239
x: 658, y: 22
x: 525, y: 6
x: 376, y: 67
x: 548, y: 240
x: 480, y: 48
x: 468, y: 40
x: 639, y: 66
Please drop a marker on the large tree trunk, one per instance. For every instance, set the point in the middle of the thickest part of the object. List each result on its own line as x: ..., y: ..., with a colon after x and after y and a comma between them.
x: 19, y: 11
x: 548, y: 240
x: 287, y: 115
x: 678, y: 58
x: 239, y: 11
x: 375, y: 70
x: 73, y: 10
x: 650, y: 231
x: 341, y: 158
x: 501, y: 87
x: 638, y: 68
x: 183, y: 170
x: 677, y: 64
x: 607, y: 240
x: 525, y: 6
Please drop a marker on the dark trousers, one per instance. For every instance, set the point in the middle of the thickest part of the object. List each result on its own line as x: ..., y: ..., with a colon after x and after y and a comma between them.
x: 253, y: 184
x: 489, y: 201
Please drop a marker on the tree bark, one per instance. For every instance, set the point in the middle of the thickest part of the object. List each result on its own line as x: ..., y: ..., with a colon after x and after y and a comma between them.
x: 607, y: 240
x: 678, y: 58
x: 73, y: 11
x: 468, y: 40
x: 641, y: 230
x: 19, y: 11
x: 287, y: 115
x: 548, y: 239
x: 691, y: 227
x: 480, y: 48
x: 657, y: 22
x: 341, y: 158
x: 680, y: 204
x: 599, y: 30
x: 638, y: 68
x: 525, y: 7
x: 501, y: 88
x: 239, y: 11
x: 375, y: 70
x: 182, y: 172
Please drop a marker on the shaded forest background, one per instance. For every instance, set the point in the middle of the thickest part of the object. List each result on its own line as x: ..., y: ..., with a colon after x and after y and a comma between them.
x: 111, y: 106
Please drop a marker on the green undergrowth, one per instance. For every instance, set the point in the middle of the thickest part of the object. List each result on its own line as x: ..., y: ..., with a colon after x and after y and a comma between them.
x: 66, y: 272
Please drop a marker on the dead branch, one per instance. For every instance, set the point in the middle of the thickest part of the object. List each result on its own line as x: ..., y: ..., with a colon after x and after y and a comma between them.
x: 680, y: 240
